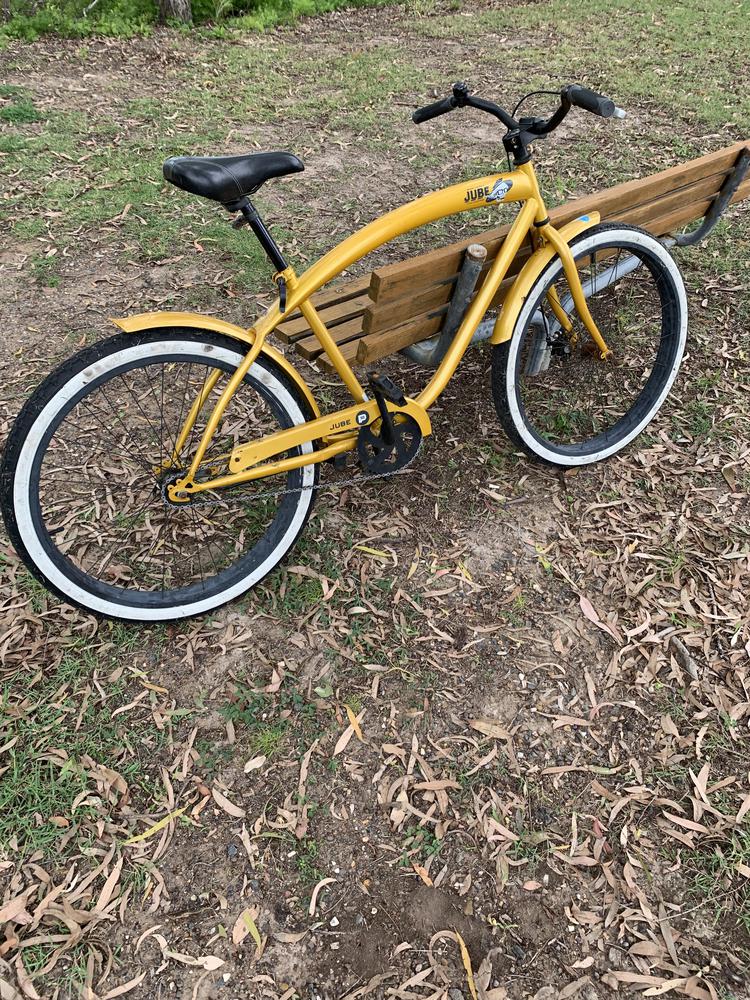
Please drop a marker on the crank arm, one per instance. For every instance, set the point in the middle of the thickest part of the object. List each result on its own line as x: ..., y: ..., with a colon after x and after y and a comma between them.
x: 348, y: 421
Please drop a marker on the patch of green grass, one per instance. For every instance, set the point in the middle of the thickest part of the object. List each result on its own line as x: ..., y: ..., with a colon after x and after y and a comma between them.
x: 659, y: 38
x: 20, y: 111
x: 268, y: 740
x: 419, y: 845
x: 12, y: 143
x: 306, y: 860
x: 34, y: 590
x: 696, y: 418
x: 268, y: 722
x: 212, y: 756
x: 27, y: 229
x: 489, y: 776
x: 126, y: 18
x: 532, y: 846
x: 515, y: 614
x: 714, y: 879
x: 45, y: 270
x: 40, y: 785
x: 298, y: 594
x: 70, y: 972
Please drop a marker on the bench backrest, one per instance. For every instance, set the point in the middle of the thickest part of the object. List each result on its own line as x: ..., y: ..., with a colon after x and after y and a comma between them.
x: 402, y: 303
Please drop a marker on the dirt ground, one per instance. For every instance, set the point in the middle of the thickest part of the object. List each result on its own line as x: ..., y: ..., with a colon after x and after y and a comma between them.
x: 485, y: 735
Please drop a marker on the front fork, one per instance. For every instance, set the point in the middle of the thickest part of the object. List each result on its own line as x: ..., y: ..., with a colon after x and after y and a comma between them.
x: 576, y: 290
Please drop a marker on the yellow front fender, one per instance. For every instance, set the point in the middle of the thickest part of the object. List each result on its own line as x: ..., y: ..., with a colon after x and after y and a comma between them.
x: 528, y: 275
x: 158, y: 320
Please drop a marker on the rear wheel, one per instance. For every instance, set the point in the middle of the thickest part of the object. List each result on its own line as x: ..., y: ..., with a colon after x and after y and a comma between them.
x: 555, y: 396
x: 86, y: 470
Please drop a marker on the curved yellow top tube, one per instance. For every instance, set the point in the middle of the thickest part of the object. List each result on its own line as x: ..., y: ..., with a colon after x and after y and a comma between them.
x: 492, y: 189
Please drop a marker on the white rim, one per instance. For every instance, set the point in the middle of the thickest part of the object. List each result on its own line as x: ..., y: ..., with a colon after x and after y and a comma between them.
x: 22, y: 483
x: 634, y: 238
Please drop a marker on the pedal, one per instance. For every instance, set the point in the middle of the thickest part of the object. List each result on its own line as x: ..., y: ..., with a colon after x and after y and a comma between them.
x: 384, y: 387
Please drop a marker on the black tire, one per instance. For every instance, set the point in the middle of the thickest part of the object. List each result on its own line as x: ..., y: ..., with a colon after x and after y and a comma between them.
x: 46, y: 453
x: 518, y: 381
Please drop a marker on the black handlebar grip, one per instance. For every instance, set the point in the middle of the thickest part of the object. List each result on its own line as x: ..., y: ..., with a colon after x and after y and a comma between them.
x: 433, y: 110
x: 589, y: 100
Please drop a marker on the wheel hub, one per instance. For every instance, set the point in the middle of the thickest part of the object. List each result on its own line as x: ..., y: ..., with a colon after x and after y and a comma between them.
x: 171, y: 494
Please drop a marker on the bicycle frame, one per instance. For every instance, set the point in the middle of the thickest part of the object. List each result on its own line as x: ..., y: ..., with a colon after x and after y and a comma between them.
x: 337, y: 432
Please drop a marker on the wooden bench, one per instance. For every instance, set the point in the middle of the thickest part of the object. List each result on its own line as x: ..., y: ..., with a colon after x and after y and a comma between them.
x: 404, y: 303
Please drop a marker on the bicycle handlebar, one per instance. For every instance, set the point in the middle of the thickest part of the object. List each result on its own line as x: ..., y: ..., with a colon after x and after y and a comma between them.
x: 589, y: 100
x: 571, y: 96
x: 433, y: 110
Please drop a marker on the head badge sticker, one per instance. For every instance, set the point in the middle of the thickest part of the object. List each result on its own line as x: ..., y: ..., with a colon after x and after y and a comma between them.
x: 499, y: 191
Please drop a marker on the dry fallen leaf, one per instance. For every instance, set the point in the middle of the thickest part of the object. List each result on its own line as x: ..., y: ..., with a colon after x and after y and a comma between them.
x: 343, y: 740
x: 354, y: 722
x: 229, y: 807
x: 467, y: 965
x: 489, y: 727
x: 314, y: 896
x: 151, y: 830
x: 254, y: 763
x: 422, y: 872
x: 245, y: 924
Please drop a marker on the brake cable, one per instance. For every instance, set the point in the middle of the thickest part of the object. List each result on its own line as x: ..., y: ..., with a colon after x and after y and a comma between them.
x: 534, y: 93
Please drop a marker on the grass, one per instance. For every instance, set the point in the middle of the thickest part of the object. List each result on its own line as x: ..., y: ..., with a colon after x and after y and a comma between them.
x: 645, y: 69
x: 126, y: 18
x: 20, y: 111
x: 306, y: 861
x: 57, y: 729
x: 418, y: 846
x: 269, y: 724
x: 713, y: 878
x: 72, y: 977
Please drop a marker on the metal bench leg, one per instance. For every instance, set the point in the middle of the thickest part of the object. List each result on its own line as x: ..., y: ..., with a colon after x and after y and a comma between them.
x: 431, y: 352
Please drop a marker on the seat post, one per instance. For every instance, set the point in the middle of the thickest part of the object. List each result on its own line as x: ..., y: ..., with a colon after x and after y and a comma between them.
x: 250, y: 214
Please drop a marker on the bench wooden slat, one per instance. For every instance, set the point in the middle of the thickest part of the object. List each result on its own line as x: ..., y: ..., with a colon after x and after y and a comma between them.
x: 292, y: 330
x: 680, y: 217
x: 376, y: 317
x: 310, y: 347
x: 380, y: 345
x: 326, y: 297
x: 348, y: 350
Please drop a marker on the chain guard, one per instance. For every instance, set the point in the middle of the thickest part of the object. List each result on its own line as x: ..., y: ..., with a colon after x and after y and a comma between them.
x: 377, y: 456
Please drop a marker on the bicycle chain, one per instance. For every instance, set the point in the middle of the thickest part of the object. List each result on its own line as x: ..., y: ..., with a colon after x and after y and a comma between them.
x: 353, y: 481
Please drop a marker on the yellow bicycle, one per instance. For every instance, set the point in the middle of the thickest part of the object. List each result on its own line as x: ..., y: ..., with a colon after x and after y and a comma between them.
x: 168, y: 469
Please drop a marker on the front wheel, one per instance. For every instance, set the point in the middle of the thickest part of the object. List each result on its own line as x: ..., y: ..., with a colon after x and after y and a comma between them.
x: 83, y: 485
x: 555, y: 396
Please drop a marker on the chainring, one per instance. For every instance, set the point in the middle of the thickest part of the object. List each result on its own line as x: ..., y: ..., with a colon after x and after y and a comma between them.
x: 377, y: 456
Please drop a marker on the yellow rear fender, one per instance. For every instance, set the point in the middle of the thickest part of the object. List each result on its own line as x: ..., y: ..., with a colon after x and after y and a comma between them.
x: 528, y: 275
x: 157, y: 320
